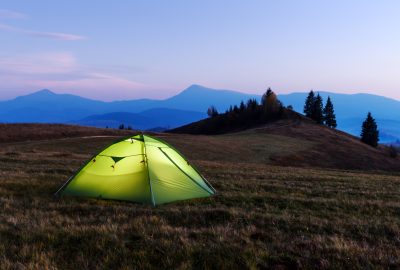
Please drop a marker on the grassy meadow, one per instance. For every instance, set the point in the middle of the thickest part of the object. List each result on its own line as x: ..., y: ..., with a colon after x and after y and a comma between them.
x: 264, y: 215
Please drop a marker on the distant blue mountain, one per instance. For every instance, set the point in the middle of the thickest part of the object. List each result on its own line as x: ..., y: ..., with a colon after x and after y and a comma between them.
x: 199, y: 98
x: 188, y: 106
x: 47, y: 107
x: 160, y: 118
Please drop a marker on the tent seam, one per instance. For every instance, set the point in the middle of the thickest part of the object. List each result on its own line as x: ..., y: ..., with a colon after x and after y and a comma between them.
x: 176, y: 150
x: 176, y: 165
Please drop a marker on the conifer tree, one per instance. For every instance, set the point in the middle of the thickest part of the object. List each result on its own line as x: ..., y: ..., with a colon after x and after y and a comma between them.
x: 329, y: 114
x: 212, y: 111
x: 252, y: 104
x: 370, y: 133
x: 242, y: 107
x: 317, y: 111
x: 309, y: 104
x: 265, y: 96
x: 270, y: 103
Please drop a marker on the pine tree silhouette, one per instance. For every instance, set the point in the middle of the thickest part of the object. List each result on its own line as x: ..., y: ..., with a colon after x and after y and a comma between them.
x: 329, y: 114
x: 265, y: 96
x: 317, y: 112
x: 370, y: 133
x: 242, y: 107
x: 309, y: 104
x: 212, y: 111
x: 270, y: 103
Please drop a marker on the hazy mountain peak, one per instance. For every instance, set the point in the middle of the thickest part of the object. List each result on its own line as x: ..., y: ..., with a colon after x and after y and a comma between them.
x: 43, y: 92
x: 38, y: 95
x: 201, y: 91
x: 195, y: 88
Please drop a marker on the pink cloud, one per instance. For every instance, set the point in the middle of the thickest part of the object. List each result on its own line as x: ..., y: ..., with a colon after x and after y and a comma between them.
x: 41, y: 63
x: 9, y: 14
x: 96, y: 86
x: 7, y: 27
x: 50, y: 35
x: 61, y: 72
x: 59, y: 36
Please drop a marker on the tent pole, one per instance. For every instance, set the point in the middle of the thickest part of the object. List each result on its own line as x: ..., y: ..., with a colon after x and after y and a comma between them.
x: 63, y: 186
x: 148, y: 172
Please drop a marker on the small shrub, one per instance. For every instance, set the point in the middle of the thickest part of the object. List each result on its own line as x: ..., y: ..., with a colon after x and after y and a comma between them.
x: 122, y: 126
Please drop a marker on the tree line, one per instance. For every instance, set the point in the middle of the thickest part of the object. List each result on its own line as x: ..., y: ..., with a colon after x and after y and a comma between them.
x: 252, y: 113
x: 244, y: 115
x: 313, y: 108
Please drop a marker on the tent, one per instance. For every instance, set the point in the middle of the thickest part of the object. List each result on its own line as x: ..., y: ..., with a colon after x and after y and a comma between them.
x: 141, y: 169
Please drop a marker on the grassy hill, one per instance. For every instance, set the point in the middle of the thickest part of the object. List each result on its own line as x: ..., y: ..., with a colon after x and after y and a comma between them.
x: 265, y: 215
x: 293, y: 141
x: 32, y: 132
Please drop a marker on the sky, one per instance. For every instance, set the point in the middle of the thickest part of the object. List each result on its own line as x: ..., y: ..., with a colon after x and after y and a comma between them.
x: 113, y: 50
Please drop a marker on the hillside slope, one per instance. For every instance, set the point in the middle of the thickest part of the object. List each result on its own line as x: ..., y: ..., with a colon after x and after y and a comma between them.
x: 330, y: 148
x: 351, y: 110
x: 292, y: 142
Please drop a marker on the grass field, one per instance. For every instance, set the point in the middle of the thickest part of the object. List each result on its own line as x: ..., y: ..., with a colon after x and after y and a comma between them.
x: 264, y: 216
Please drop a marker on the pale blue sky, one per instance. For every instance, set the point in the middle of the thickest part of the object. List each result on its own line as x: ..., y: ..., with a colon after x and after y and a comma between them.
x: 132, y: 49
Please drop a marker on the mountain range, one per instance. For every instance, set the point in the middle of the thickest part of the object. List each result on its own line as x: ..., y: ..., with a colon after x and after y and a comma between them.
x: 190, y: 105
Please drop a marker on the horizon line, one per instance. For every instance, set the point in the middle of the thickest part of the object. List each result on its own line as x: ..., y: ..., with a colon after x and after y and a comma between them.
x: 197, y: 85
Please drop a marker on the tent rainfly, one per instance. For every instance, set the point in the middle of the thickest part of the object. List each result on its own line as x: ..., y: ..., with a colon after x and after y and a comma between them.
x: 138, y: 169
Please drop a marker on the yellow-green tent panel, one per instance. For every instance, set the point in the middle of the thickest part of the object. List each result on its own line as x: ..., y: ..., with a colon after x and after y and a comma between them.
x: 138, y: 169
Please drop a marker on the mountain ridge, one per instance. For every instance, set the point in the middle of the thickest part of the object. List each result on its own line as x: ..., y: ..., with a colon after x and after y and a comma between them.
x: 45, y: 106
x: 146, y: 120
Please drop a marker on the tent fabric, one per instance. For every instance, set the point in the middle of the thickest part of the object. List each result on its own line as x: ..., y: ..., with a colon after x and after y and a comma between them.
x: 141, y: 169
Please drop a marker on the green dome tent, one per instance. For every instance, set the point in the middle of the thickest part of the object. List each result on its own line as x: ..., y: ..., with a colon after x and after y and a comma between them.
x: 138, y: 169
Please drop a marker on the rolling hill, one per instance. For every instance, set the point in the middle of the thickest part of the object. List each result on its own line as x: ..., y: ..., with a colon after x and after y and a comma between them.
x: 313, y: 145
x: 329, y: 148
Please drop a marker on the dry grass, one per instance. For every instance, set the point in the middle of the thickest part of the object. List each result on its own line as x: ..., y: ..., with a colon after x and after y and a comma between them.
x: 264, y: 216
